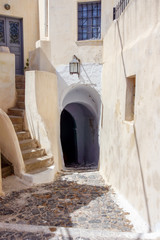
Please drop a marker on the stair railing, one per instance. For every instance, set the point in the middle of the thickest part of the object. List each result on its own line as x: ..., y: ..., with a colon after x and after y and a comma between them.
x: 117, y: 11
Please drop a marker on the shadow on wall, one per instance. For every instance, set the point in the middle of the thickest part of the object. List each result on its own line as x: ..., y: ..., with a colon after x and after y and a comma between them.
x: 42, y: 114
x: 9, y: 144
x: 39, y: 61
x: 129, y: 115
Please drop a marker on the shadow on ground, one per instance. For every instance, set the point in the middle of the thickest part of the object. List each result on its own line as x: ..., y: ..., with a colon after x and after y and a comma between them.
x: 64, y: 203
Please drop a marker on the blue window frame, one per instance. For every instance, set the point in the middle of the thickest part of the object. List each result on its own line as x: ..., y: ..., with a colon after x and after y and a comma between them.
x: 89, y: 20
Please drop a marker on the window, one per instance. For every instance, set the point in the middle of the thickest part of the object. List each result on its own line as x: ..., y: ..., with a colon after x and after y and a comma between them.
x: 89, y: 20
x: 130, y: 98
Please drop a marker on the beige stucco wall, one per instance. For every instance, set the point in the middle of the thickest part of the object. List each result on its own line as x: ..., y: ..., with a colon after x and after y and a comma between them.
x: 9, y: 144
x: 63, y: 32
x: 130, y: 151
x: 7, y: 80
x: 40, y: 58
x: 42, y: 111
x: 28, y: 11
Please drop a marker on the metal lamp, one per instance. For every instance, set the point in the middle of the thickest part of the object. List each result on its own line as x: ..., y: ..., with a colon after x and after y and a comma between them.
x: 74, y: 66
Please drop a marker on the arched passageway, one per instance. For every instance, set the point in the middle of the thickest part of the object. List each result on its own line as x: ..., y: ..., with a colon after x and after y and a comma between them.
x: 79, y: 136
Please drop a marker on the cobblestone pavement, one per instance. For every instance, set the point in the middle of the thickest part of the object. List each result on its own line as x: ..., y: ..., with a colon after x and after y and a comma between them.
x: 75, y: 199
x: 14, y: 235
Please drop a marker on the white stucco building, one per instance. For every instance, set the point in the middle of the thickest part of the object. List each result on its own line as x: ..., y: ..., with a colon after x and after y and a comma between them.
x: 107, y: 116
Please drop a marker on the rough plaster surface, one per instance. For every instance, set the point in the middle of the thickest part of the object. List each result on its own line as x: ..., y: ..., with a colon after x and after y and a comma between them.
x: 9, y: 144
x: 90, y: 74
x: 39, y: 59
x: 7, y: 80
x: 130, y: 151
x: 42, y: 111
x: 85, y: 89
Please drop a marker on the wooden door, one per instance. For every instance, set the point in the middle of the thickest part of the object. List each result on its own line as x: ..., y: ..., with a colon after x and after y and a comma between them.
x: 11, y: 36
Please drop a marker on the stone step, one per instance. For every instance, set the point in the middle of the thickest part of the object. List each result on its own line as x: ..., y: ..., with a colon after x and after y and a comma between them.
x: 37, y: 163
x: 7, y: 171
x: 16, y: 119
x: 33, y: 153
x: 20, y: 91
x: 20, y: 78
x: 20, y: 98
x: 18, y: 127
x: 23, y: 135
x: 28, y: 144
x: 20, y: 105
x: 20, y: 85
x: 39, y: 176
x: 16, y: 112
x: 20, y: 81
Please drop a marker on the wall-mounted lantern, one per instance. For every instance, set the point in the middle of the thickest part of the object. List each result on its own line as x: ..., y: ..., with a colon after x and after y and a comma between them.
x: 74, y: 66
x: 7, y: 6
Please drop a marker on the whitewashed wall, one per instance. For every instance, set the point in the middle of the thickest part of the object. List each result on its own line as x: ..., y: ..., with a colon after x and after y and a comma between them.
x: 130, y: 152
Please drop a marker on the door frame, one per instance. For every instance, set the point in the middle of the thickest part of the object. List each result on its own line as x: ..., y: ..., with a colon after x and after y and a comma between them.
x: 21, y: 37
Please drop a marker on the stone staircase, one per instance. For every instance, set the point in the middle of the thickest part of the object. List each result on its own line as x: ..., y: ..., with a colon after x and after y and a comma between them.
x: 6, y: 167
x: 35, y: 158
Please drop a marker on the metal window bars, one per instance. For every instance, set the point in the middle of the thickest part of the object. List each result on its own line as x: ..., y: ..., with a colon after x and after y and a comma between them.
x: 117, y: 11
x: 89, y: 20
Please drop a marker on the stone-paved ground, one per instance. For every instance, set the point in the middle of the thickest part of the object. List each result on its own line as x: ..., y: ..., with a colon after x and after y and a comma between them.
x: 74, y: 199
x: 14, y: 235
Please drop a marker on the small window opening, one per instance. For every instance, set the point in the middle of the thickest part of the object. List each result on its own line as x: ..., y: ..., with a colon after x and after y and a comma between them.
x: 130, y: 98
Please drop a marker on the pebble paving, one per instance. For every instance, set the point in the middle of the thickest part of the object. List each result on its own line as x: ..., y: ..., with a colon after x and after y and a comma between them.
x: 14, y: 235
x: 75, y: 199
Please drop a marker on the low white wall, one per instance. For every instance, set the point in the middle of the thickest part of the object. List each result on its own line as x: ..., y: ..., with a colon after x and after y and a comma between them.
x: 9, y: 144
x: 7, y: 80
x: 130, y: 152
x: 42, y: 114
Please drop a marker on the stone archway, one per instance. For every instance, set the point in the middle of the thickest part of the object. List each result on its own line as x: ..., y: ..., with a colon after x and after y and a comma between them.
x: 79, y: 136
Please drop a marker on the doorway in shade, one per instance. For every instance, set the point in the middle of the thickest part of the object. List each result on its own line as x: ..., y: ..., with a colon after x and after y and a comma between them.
x: 79, y: 136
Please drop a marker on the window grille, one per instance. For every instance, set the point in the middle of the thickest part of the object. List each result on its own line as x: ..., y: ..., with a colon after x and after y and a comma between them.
x: 89, y: 20
x: 118, y: 10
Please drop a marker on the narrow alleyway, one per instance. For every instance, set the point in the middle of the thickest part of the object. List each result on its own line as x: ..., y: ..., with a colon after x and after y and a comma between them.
x: 76, y: 199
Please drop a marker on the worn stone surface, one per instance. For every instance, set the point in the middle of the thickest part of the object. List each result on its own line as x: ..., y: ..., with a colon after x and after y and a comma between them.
x: 76, y: 199
x: 14, y: 235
